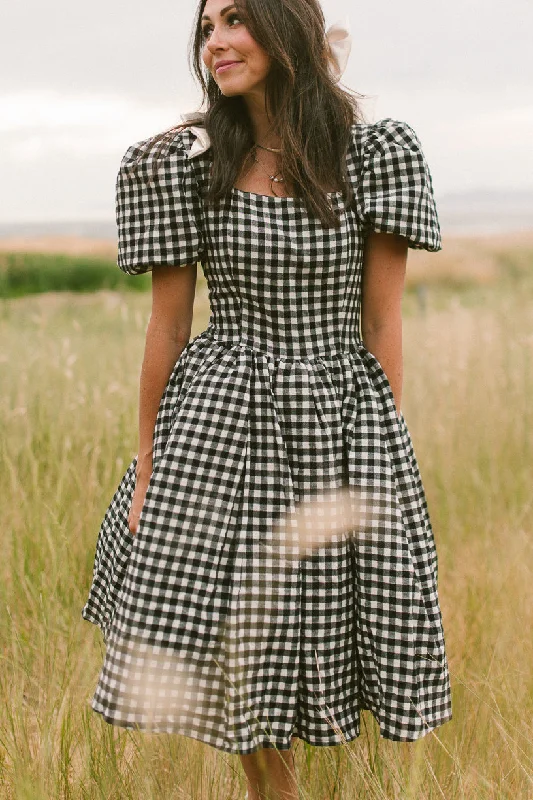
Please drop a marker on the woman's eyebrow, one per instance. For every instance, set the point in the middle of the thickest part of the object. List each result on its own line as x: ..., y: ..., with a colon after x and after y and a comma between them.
x: 224, y: 11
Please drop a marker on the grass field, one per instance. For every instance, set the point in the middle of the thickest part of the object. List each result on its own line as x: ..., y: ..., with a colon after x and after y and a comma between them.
x: 69, y: 367
x: 26, y: 273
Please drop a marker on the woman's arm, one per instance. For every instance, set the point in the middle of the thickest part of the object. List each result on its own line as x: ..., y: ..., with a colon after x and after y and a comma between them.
x: 384, y: 266
x: 168, y: 332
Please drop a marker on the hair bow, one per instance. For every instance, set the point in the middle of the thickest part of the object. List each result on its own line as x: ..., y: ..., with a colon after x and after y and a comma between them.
x: 340, y: 43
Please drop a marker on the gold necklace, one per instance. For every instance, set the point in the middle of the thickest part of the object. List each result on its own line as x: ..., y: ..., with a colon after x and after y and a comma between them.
x: 270, y: 149
x: 273, y: 178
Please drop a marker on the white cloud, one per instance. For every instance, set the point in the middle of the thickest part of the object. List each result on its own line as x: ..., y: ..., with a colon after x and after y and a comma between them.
x: 52, y: 110
x: 33, y: 124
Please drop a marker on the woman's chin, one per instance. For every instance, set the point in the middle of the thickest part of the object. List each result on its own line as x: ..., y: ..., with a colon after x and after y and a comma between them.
x: 230, y: 91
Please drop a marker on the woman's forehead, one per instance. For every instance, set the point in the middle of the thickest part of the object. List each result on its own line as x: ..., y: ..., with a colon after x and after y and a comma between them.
x: 216, y: 8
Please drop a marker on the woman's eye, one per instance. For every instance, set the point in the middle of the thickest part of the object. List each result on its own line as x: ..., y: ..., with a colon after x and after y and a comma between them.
x: 206, y: 30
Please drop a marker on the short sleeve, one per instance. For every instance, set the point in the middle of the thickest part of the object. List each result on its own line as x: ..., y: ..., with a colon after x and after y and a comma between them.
x: 158, y: 209
x: 395, y: 190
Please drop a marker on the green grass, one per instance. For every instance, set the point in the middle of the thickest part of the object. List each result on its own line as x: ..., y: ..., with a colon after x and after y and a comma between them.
x: 69, y: 370
x: 33, y: 273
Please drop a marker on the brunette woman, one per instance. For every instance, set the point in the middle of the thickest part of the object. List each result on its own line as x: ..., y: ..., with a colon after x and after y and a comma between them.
x: 223, y: 623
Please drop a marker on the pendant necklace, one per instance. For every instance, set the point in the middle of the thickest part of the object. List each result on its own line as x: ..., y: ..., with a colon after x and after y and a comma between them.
x: 276, y: 178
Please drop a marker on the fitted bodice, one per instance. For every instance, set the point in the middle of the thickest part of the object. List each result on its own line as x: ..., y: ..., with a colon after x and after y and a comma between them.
x: 278, y: 280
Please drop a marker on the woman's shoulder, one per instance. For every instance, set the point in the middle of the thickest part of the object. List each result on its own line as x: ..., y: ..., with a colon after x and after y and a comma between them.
x: 393, y: 183
x: 175, y: 143
x: 184, y: 141
x: 384, y: 135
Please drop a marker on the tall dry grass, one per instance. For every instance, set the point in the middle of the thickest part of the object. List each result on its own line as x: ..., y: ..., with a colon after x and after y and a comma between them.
x: 69, y: 373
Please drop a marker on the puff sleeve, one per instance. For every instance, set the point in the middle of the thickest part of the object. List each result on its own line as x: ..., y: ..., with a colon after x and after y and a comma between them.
x: 158, y: 209
x: 395, y: 189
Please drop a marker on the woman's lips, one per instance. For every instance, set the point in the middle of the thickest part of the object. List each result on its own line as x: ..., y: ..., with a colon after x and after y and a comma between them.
x: 228, y: 66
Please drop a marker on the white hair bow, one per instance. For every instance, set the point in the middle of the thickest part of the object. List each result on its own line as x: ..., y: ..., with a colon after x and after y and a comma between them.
x: 340, y: 42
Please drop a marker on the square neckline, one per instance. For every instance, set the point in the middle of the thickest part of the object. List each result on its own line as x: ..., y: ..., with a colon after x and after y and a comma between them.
x: 234, y: 190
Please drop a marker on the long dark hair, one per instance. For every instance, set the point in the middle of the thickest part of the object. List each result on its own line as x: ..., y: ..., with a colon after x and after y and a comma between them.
x: 309, y: 110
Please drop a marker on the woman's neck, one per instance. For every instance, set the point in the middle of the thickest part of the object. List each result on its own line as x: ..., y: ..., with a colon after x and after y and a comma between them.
x: 261, y: 123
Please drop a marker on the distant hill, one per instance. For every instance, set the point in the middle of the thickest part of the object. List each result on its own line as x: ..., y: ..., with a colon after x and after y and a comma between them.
x: 105, y: 229
x: 479, y: 212
x: 475, y: 212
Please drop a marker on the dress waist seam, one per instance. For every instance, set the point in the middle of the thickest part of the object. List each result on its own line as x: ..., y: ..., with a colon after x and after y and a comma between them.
x: 243, y: 342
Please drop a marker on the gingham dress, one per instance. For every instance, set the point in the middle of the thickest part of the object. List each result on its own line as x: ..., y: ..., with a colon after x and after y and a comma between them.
x: 223, y: 619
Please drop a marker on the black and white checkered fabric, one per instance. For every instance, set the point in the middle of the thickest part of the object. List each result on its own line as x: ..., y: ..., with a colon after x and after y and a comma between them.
x: 284, y: 575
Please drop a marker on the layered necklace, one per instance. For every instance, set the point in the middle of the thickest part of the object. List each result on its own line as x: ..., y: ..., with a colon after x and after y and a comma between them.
x: 277, y: 177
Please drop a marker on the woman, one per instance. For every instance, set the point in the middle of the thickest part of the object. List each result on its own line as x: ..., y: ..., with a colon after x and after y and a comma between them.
x: 219, y: 623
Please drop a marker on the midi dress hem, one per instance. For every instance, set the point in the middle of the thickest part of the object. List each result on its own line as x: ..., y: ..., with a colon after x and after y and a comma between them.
x: 269, y: 743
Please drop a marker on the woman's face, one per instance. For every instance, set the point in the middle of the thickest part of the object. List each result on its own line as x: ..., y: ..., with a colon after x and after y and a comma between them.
x: 226, y: 39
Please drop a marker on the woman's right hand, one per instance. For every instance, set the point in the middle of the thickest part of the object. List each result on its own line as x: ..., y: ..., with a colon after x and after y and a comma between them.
x: 139, y: 496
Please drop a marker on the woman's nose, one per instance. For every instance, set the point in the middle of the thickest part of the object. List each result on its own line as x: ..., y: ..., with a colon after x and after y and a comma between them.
x: 216, y: 41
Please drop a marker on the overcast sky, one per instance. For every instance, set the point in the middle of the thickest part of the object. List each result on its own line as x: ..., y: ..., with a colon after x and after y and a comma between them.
x: 79, y: 82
